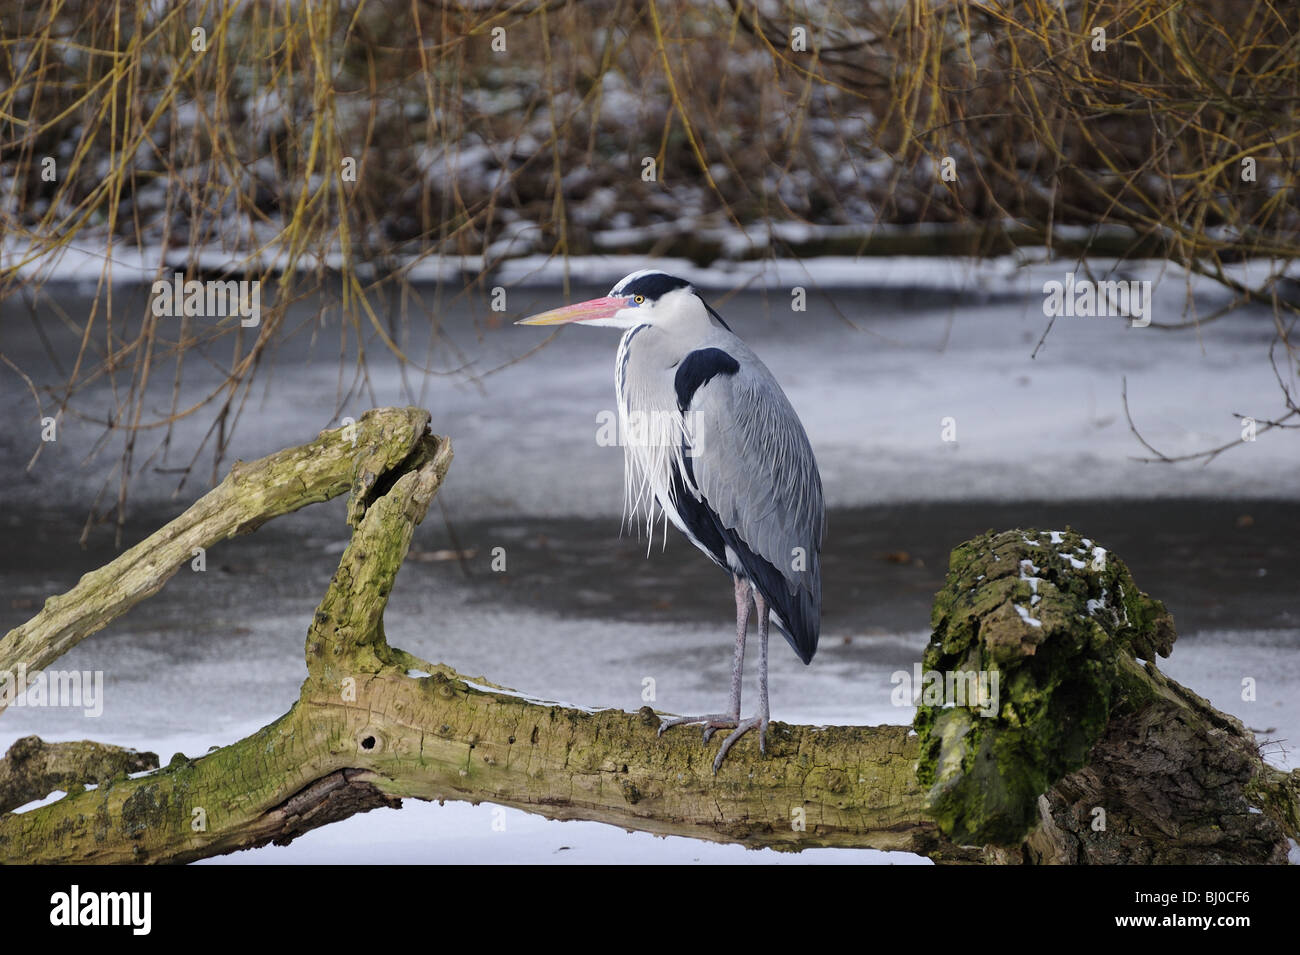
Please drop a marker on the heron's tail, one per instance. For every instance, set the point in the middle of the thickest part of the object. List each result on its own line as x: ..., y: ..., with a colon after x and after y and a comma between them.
x: 798, y: 617
x: 797, y: 613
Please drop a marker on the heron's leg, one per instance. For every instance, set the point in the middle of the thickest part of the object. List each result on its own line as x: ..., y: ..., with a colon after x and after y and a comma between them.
x: 760, y: 721
x: 717, y: 721
x: 743, y: 606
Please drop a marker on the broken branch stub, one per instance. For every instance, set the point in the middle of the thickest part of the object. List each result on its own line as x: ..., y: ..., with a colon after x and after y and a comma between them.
x: 1083, y: 751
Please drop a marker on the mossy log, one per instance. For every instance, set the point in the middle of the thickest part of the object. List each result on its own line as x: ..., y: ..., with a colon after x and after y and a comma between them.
x: 374, y: 724
x: 1092, y: 751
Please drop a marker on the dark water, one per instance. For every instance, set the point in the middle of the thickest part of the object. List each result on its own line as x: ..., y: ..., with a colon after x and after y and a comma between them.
x: 1216, y: 564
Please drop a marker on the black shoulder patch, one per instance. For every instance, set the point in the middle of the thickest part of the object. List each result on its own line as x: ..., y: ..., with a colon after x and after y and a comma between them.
x: 653, y: 285
x: 696, y: 369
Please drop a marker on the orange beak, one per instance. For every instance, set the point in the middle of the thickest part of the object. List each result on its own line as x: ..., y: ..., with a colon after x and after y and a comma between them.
x: 582, y: 312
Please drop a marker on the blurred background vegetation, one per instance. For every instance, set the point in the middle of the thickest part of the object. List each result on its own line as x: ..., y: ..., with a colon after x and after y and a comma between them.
x: 218, y: 137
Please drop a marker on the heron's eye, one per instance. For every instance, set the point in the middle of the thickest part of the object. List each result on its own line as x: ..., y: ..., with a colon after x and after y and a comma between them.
x: 639, y: 299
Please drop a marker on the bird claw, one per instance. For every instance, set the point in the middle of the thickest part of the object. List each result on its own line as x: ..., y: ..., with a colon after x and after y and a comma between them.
x: 719, y: 721
x: 713, y: 726
x: 744, y: 726
x: 712, y: 722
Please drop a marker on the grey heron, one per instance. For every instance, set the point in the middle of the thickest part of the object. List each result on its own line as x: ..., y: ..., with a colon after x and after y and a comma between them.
x: 712, y: 444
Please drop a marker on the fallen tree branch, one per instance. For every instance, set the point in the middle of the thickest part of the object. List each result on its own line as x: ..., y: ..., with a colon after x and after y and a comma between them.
x: 345, y: 459
x: 33, y: 768
x: 374, y: 724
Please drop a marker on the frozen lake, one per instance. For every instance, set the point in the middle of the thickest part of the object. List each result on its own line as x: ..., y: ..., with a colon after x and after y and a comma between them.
x: 583, y: 615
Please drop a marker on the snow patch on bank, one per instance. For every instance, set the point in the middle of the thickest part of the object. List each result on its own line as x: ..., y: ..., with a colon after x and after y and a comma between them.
x: 1023, y: 273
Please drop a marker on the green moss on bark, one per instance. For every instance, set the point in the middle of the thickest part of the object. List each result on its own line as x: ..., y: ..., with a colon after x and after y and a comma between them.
x: 1047, y: 614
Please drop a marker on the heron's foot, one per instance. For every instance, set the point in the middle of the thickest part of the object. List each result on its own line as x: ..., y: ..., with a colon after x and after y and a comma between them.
x: 712, y: 723
x: 744, y: 726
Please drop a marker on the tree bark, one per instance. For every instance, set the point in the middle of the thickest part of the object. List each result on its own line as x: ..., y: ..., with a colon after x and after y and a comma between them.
x: 374, y: 724
x: 351, y: 458
x: 1093, y: 751
x: 33, y: 768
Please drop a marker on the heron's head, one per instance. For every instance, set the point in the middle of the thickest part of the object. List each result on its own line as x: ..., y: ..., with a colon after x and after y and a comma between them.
x: 648, y: 297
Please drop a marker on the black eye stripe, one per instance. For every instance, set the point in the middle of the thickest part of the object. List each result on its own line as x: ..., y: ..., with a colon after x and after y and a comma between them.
x: 653, y: 285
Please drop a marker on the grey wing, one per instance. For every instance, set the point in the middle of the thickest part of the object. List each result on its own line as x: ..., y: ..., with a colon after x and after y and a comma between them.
x: 750, y: 460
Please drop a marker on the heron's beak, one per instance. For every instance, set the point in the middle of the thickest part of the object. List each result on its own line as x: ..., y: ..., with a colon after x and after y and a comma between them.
x: 582, y: 312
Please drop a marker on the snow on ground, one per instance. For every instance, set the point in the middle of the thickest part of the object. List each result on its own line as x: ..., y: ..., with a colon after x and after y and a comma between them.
x: 1023, y: 273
